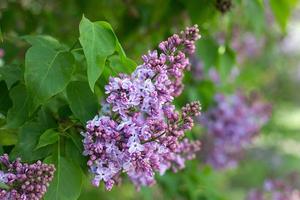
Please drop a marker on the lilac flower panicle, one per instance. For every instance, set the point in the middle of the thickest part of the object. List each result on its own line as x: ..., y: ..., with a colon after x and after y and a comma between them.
x: 230, y: 126
x: 24, y: 181
x: 139, y: 132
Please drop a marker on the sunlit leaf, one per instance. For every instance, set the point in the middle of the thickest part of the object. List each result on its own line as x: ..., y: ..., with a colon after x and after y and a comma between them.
x: 97, y: 42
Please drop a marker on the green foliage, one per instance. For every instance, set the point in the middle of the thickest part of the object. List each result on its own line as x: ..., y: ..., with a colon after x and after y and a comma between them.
x: 82, y: 101
x: 256, y: 21
x: 48, y: 70
x: 50, y: 136
x: 226, y: 62
x: 207, y: 49
x: 282, y: 10
x: 10, y: 74
x: 19, y: 113
x: 67, y: 181
x: 98, y: 42
x: 8, y: 137
x: 5, y: 101
x: 27, y: 142
x: 1, y: 35
x: 3, y: 186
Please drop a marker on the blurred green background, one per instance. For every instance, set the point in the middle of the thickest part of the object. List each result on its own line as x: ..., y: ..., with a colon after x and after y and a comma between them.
x: 261, y: 38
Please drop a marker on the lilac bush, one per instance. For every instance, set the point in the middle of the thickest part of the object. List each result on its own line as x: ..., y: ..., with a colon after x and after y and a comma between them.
x: 230, y: 126
x: 24, y: 181
x: 138, y: 131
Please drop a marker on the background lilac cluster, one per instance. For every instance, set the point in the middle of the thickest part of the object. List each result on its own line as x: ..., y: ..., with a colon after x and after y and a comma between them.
x: 275, y: 190
x: 24, y: 181
x: 231, y: 125
x: 139, y: 132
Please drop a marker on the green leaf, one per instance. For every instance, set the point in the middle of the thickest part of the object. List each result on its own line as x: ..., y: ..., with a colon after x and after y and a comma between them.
x: 120, y: 64
x: 83, y: 102
x: 127, y: 64
x: 200, y: 11
x: 207, y: 50
x: 45, y: 118
x: 74, y: 154
x: 67, y: 182
x: 206, y: 91
x: 3, y: 186
x: 282, y: 10
x: 50, y: 136
x: 48, y: 70
x: 27, y: 141
x: 8, y: 137
x: 10, y: 74
x: 5, y: 101
x: 97, y: 42
x: 226, y: 63
x: 43, y: 40
x: 18, y: 114
x: 1, y: 35
x: 256, y: 21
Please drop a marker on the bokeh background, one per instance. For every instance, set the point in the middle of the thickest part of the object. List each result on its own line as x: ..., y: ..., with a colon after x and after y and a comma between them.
x: 246, y: 45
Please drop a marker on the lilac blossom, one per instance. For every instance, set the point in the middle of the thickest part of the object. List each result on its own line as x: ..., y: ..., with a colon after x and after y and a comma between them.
x: 139, y: 132
x: 197, y: 68
x: 24, y: 181
x: 247, y: 44
x: 275, y: 190
x: 230, y: 126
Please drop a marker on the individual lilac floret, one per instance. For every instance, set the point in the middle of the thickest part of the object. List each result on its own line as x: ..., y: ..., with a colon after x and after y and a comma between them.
x: 24, y: 181
x: 275, y: 190
x: 230, y: 126
x: 139, y: 132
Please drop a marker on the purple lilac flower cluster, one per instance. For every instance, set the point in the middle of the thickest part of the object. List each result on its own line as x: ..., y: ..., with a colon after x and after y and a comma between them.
x: 275, y: 190
x: 139, y: 132
x: 24, y: 181
x: 230, y: 126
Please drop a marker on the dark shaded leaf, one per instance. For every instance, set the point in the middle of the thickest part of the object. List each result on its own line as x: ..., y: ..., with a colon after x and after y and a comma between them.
x: 83, y: 102
x: 50, y: 136
x: 18, y: 114
x: 48, y: 70
x: 10, y: 74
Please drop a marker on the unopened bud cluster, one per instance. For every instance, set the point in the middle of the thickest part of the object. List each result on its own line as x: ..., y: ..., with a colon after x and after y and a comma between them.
x: 24, y: 181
